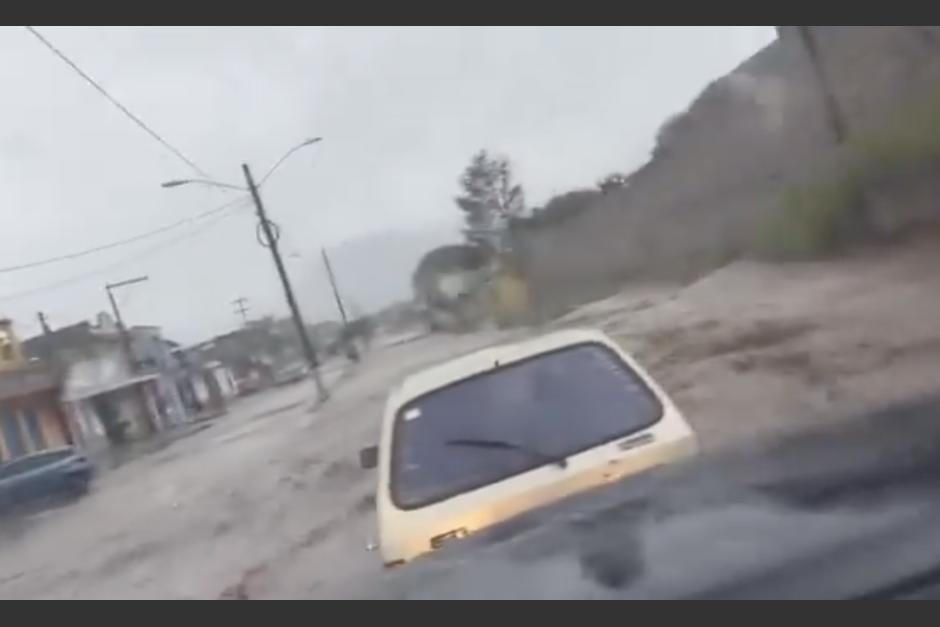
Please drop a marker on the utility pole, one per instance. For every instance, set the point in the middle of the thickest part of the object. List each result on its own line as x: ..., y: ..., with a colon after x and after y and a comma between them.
x: 125, y: 336
x: 128, y: 348
x: 329, y: 273
x: 43, y: 323
x: 270, y: 240
x: 351, y: 350
x: 241, y: 309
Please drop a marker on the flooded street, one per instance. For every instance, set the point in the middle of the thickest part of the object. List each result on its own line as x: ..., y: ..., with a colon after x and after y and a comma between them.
x: 269, y: 501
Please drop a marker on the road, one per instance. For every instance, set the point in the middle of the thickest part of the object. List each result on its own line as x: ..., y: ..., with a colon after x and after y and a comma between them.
x: 269, y: 502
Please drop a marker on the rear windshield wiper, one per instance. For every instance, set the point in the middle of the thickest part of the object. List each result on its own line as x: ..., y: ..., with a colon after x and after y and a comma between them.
x: 561, y: 462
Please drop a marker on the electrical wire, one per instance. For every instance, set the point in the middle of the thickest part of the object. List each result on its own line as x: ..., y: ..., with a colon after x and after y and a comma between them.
x: 117, y: 104
x: 122, y: 242
x: 107, y: 268
x: 120, y: 263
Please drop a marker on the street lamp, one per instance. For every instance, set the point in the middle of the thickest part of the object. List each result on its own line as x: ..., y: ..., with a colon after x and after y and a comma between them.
x: 277, y: 164
x: 306, y: 142
x: 178, y: 182
x: 271, y: 241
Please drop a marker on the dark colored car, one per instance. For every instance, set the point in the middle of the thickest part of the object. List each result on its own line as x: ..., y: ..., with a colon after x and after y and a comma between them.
x: 43, y: 476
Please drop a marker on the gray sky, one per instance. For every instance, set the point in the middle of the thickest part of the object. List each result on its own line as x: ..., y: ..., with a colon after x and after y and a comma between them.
x: 400, y: 109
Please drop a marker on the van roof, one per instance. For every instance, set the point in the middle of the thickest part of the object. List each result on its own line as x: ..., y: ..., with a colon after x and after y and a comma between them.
x: 487, y: 358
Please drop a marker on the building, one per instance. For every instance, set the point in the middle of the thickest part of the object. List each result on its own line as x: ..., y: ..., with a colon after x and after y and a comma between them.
x: 257, y: 352
x: 206, y: 385
x: 31, y: 416
x: 109, y: 398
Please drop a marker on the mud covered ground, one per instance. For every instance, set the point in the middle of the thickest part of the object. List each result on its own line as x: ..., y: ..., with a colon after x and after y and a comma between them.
x: 269, y: 501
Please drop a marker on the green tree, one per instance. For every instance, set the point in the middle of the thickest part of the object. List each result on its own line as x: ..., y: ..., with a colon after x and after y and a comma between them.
x: 489, y: 200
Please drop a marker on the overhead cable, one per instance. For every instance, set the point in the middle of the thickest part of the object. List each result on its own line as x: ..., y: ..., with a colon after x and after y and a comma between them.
x: 189, y: 162
x: 118, y: 264
x: 122, y: 242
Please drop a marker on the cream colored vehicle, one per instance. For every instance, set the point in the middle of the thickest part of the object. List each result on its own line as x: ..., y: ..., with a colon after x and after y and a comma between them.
x: 491, y: 435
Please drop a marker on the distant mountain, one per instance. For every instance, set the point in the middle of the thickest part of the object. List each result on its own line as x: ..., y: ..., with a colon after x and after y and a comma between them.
x: 374, y: 271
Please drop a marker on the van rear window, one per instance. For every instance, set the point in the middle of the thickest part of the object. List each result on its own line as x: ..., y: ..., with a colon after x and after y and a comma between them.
x: 513, y: 419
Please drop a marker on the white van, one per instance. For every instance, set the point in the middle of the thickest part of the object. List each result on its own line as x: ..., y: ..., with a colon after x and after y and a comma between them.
x: 488, y: 436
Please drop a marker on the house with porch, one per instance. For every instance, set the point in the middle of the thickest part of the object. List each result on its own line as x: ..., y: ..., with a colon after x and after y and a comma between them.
x: 111, y: 397
x: 32, y: 418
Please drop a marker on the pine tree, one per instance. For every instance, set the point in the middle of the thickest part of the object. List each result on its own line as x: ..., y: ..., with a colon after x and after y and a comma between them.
x: 490, y: 200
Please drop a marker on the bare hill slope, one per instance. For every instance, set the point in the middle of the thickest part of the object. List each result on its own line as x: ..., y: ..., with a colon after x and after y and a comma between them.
x: 721, y: 167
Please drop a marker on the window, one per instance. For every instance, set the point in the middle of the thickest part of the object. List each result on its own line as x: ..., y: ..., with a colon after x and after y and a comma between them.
x: 34, y: 427
x: 547, y: 407
x: 12, y: 435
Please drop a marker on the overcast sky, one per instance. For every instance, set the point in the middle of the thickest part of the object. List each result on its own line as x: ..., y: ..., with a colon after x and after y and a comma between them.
x: 400, y: 110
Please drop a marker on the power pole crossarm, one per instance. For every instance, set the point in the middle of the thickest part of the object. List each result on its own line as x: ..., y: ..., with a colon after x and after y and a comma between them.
x: 128, y: 347
x: 241, y: 309
x: 122, y: 329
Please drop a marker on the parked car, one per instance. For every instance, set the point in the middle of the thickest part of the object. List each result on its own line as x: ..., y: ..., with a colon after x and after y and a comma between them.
x: 482, y: 439
x: 291, y: 374
x: 248, y: 385
x: 57, y: 473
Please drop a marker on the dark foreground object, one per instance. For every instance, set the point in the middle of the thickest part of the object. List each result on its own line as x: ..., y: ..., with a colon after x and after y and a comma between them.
x: 845, y: 513
x: 41, y: 477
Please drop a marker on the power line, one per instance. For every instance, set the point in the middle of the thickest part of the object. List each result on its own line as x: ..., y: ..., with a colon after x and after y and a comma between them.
x: 107, y: 268
x: 122, y: 242
x: 118, y: 264
x: 117, y: 104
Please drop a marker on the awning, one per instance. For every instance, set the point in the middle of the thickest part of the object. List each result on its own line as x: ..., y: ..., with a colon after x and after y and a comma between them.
x: 82, y: 393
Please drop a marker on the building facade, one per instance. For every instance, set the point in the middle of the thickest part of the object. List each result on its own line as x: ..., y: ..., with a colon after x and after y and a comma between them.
x: 32, y: 418
x: 111, y: 397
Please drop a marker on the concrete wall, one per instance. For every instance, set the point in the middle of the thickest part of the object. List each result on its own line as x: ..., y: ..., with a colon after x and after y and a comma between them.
x: 722, y: 166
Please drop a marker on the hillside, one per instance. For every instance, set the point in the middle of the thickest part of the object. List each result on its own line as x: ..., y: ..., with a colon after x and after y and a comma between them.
x: 722, y: 169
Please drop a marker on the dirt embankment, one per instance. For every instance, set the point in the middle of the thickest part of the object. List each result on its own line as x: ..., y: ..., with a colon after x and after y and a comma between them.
x: 755, y: 349
x: 722, y: 169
